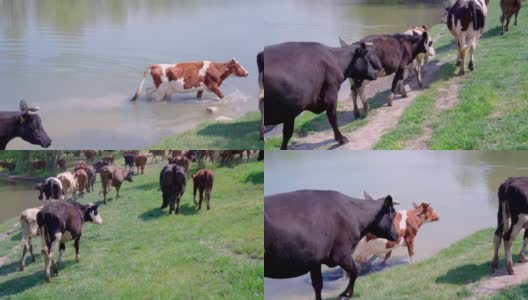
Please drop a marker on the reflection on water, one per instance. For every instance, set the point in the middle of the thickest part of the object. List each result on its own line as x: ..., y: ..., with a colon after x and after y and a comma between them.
x: 81, y: 61
x: 461, y: 186
x: 15, y: 197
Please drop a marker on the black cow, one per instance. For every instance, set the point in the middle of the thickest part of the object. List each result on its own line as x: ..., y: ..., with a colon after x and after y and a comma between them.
x: 465, y: 21
x: 513, y: 209
x: 304, y: 229
x: 172, y: 184
x: 51, y: 188
x: 129, y: 161
x: 59, y: 223
x: 396, y: 52
x: 90, y: 171
x: 260, y: 65
x: 25, y: 124
x: 99, y: 165
x: 307, y: 76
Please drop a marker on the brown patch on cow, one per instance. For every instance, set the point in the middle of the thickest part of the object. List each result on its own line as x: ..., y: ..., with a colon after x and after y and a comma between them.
x: 157, y: 72
x: 189, y: 72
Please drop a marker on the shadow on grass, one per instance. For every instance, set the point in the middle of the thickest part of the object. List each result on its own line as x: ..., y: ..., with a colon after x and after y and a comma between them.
x: 465, y: 274
x: 153, y: 185
x: 255, y: 177
x: 16, y: 237
x: 20, y: 284
x: 13, y: 266
x: 496, y: 31
x: 152, y: 214
x: 234, y: 133
x: 186, y: 209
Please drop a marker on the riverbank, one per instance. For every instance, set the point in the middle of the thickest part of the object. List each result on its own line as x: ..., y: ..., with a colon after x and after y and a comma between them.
x: 481, y: 110
x: 141, y: 252
x: 225, y: 135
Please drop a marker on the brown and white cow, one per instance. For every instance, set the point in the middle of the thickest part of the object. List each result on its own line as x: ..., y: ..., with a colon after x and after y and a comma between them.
x: 81, y: 177
x: 187, y: 77
x: 68, y: 183
x: 465, y: 21
x: 114, y: 176
x: 509, y: 8
x: 422, y: 58
x: 407, y: 224
x: 28, y: 222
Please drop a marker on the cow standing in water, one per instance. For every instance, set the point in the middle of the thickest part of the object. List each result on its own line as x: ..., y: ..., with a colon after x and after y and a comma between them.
x: 189, y: 77
x: 465, y: 21
x: 308, y: 228
x: 512, y: 217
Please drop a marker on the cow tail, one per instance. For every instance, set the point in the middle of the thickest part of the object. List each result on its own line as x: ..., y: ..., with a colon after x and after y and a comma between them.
x: 473, y: 14
x: 504, y: 213
x: 147, y: 70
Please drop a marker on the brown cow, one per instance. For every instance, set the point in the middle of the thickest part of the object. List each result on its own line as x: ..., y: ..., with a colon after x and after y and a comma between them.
x: 80, y: 165
x: 62, y: 164
x: 82, y: 181
x: 228, y: 155
x: 156, y: 153
x: 90, y: 155
x: 181, y: 161
x: 188, y: 77
x: 114, y: 176
x: 140, y: 161
x: 38, y: 165
x: 109, y: 159
x: 175, y: 153
x: 203, y: 181
x: 509, y: 8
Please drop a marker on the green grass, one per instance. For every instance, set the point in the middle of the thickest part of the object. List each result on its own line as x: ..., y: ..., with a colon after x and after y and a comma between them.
x: 140, y: 252
x: 232, y: 135
x: 447, y: 275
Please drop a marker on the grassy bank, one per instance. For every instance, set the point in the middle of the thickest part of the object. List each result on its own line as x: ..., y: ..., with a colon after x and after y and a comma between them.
x: 140, y: 252
x: 449, y: 274
x: 233, y: 135
x: 492, y: 99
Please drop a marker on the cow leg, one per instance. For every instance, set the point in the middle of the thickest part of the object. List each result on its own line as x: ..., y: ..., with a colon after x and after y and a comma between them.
x: 171, y: 205
x: 178, y: 205
x: 261, y: 108
x: 76, y: 245
x: 508, y: 23
x: 201, y: 198
x: 331, y: 113
x: 195, y: 187
x: 502, y: 23
x: 208, y: 197
x: 49, y: 257
x: 199, y: 94
x: 62, y: 248
x: 418, y: 70
x: 387, y: 255
x: 496, y: 244
x: 364, y: 100
x: 24, y: 254
x: 516, y: 13
x: 287, y: 132
x: 410, y: 248
x: 471, y: 56
x: 354, y: 93
x: 509, y: 237
x: 117, y: 190
x: 215, y: 89
x: 350, y: 267
x: 317, y: 281
x: 31, y: 250
x: 460, y: 60
x: 522, y: 254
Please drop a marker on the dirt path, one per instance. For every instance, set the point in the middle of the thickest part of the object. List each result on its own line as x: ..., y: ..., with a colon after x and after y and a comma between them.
x: 501, y: 281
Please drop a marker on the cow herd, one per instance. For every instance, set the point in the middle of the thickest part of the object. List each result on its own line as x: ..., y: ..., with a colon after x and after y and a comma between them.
x: 60, y: 221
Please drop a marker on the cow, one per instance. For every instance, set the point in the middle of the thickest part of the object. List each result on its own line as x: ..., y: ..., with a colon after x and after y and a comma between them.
x: 203, y: 182
x: 465, y: 21
x: 129, y: 161
x: 304, y: 229
x: 407, y: 224
x: 172, y: 184
x: 181, y: 161
x: 260, y: 155
x: 306, y: 76
x: 38, y: 165
x: 99, y: 165
x: 156, y: 153
x: 228, y: 155
x: 81, y: 177
x: 114, y: 176
x: 91, y: 172
x: 62, y: 164
x: 30, y: 229
x: 140, y: 161
x: 175, y: 153
x: 509, y: 8
x: 10, y: 166
x: 422, y: 58
x: 260, y: 66
x: 395, y: 52
x: 189, y: 77
x: 90, y: 155
x: 68, y: 183
x: 51, y: 188
x: 80, y: 165
x: 59, y: 223
x: 109, y: 159
x: 25, y: 124
x: 512, y: 217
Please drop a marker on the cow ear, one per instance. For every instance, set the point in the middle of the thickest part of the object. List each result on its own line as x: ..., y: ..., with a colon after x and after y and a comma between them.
x: 23, y: 106
x: 367, y: 196
x: 388, y: 201
x: 425, y: 37
x: 424, y: 28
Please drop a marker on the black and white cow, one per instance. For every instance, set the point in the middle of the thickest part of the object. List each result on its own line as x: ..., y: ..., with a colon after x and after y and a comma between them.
x: 465, y: 21
x: 512, y: 217
x: 395, y: 52
x: 308, y: 228
x: 51, y: 188
x: 303, y: 76
x: 172, y: 184
x: 25, y: 124
x: 60, y: 222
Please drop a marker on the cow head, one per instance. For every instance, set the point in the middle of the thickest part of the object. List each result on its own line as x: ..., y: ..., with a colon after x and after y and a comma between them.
x: 427, y: 212
x: 383, y: 225
x: 236, y: 68
x: 30, y: 126
x: 39, y: 187
x: 128, y: 175
x: 423, y: 43
x: 365, y: 64
x: 91, y: 214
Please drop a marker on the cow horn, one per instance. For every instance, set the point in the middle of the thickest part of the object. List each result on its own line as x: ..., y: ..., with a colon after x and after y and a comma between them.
x: 32, y: 110
x: 394, y: 202
x: 367, y: 196
x: 369, y: 44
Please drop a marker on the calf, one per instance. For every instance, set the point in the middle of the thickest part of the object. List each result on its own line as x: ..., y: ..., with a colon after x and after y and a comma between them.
x: 25, y: 124
x: 90, y: 155
x: 114, y: 176
x: 203, y: 181
x: 68, y: 183
x: 62, y: 164
x: 407, y: 223
x: 260, y: 65
x: 59, y: 223
x: 30, y: 229
x: 189, y: 77
x: 509, y: 8
x: 465, y: 21
x: 395, y: 52
x: 129, y: 161
x: 172, y: 184
x: 512, y: 217
x: 181, y: 161
x: 422, y: 58
x: 308, y: 228
x: 90, y: 171
x: 307, y: 76
x: 38, y: 165
x: 51, y: 188
x: 140, y: 162
x: 81, y: 177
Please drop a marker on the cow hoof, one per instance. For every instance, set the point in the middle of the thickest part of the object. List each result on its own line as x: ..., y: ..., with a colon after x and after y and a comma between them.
x: 357, y: 114
x: 509, y: 269
x: 461, y: 73
x: 470, y: 66
x: 21, y: 268
x: 48, y: 278
x: 458, y: 63
x: 522, y: 259
x: 342, y: 141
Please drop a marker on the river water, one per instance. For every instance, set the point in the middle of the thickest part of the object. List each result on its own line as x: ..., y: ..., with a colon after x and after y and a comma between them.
x: 461, y: 186
x: 15, y: 196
